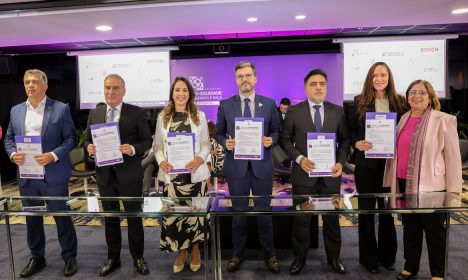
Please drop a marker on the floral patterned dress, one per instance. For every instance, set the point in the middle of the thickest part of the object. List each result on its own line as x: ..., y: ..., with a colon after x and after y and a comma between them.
x: 181, y: 232
x: 217, y: 160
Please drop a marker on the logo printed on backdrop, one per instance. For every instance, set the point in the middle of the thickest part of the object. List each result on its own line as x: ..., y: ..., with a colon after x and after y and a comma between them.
x: 429, y: 49
x: 205, y: 95
x: 197, y: 82
x: 393, y: 53
x: 359, y: 52
x: 155, y: 61
x: 121, y: 65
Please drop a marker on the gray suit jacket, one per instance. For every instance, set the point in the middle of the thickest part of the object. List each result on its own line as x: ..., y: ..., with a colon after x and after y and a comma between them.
x: 293, y: 138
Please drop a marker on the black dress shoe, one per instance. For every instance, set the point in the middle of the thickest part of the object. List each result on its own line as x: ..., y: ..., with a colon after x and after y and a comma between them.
x: 272, y: 264
x: 234, y: 264
x: 296, y: 266
x: 70, y: 267
x: 388, y: 266
x: 141, y: 266
x: 374, y: 269
x: 109, y: 266
x: 33, y: 267
x: 402, y: 276
x: 337, y: 266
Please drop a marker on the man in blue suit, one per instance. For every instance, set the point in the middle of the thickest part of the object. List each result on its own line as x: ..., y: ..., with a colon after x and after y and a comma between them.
x: 50, y: 119
x: 249, y: 175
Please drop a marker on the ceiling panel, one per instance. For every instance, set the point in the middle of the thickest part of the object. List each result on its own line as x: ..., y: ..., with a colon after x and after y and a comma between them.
x: 185, y: 22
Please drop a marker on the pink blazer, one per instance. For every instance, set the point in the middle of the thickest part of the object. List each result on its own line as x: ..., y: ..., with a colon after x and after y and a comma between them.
x: 441, y: 168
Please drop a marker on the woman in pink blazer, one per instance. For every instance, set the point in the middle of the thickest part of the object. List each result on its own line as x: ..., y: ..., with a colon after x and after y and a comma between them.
x: 427, y: 160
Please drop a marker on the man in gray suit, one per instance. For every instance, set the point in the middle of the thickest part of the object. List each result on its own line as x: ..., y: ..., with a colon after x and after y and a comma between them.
x: 314, y: 115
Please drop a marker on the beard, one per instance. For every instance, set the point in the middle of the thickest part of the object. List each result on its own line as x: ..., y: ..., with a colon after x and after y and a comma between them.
x: 246, y: 88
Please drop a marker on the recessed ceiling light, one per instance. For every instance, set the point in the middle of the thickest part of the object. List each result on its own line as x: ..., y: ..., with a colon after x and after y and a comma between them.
x: 252, y: 19
x: 103, y: 28
x: 300, y: 17
x: 460, y: 11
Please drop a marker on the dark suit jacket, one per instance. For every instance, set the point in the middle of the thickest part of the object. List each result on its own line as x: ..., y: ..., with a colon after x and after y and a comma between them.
x: 134, y: 130
x: 281, y: 120
x: 298, y: 123
x: 358, y: 131
x: 228, y: 110
x: 58, y: 136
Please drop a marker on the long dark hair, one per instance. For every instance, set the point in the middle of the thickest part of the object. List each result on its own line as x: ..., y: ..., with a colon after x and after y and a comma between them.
x: 190, y: 108
x: 367, y: 97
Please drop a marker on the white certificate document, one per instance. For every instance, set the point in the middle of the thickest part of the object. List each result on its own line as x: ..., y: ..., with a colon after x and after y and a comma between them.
x: 106, y: 138
x: 31, y: 146
x: 321, y: 151
x: 180, y: 150
x: 322, y: 203
x: 152, y: 204
x: 93, y: 204
x: 248, y: 135
x: 380, y: 130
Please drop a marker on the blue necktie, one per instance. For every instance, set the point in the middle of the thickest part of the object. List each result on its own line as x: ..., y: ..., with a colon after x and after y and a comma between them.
x: 110, y: 115
x: 247, y: 112
x: 317, y: 118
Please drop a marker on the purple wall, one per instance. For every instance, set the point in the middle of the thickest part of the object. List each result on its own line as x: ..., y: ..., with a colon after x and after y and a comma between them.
x: 277, y: 77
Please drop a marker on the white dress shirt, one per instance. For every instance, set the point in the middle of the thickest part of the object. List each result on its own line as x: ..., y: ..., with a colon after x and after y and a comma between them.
x: 33, y: 121
x: 33, y: 118
x: 251, y: 104
x: 118, y: 110
x: 312, y: 110
x: 312, y: 113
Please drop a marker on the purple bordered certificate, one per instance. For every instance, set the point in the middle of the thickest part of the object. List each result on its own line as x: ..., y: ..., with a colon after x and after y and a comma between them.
x: 31, y: 146
x: 248, y: 135
x: 321, y: 151
x: 106, y: 138
x: 180, y: 150
x: 380, y: 131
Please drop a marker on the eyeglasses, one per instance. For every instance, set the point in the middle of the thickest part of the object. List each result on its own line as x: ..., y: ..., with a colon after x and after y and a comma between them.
x: 247, y: 76
x: 420, y: 93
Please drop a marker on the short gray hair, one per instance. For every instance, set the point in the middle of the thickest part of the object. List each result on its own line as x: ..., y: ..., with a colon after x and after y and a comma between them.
x: 117, y: 76
x: 244, y: 64
x: 36, y: 72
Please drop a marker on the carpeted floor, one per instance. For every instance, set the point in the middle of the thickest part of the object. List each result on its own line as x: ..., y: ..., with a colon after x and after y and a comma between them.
x: 92, y: 250
x: 92, y: 253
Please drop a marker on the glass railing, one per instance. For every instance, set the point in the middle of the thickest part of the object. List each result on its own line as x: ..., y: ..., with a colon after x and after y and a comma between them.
x: 93, y: 205
x: 339, y: 204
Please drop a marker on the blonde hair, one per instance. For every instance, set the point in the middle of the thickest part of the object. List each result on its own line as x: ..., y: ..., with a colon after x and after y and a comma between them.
x: 36, y: 72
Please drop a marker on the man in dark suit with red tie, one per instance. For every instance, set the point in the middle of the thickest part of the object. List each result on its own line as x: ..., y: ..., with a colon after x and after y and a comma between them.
x: 124, y: 179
